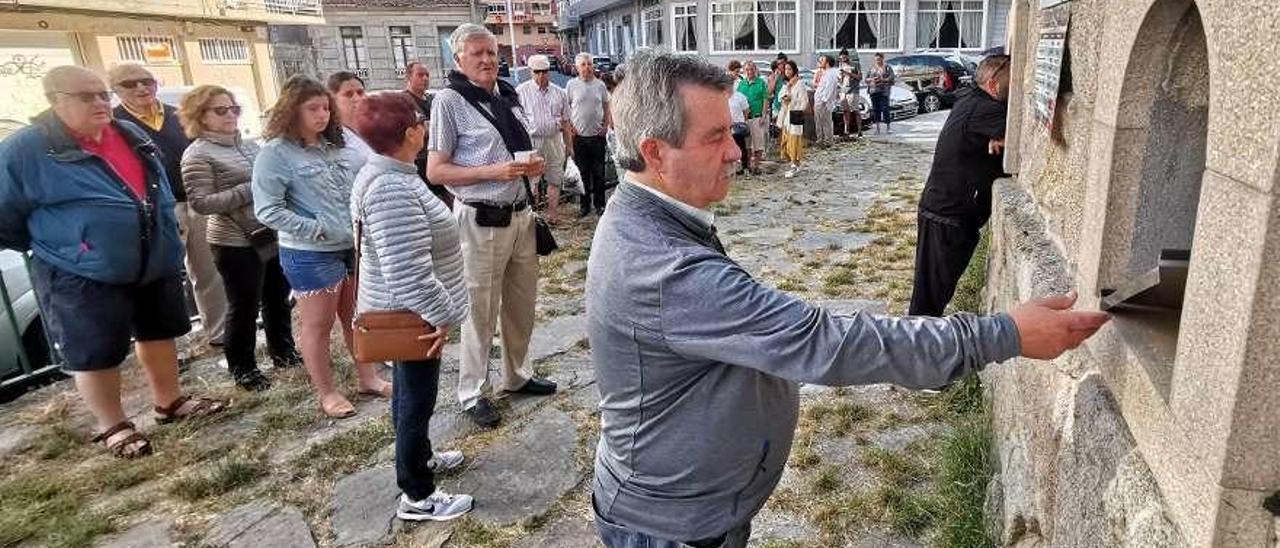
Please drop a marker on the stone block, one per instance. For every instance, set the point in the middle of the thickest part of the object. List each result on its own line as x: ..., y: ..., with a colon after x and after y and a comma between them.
x: 156, y: 533
x: 1094, y: 441
x: 1134, y: 508
x: 364, y: 508
x: 557, y: 336
x: 260, y: 524
x: 1242, y: 520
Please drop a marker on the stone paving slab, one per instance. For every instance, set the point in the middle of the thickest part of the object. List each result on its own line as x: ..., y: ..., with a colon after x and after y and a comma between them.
x: 557, y: 336
x: 260, y: 524
x: 566, y: 532
x: 524, y: 473
x: 364, y: 508
x: 156, y: 533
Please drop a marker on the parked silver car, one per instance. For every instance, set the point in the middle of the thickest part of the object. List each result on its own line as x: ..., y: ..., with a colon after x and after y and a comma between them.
x: 21, y: 330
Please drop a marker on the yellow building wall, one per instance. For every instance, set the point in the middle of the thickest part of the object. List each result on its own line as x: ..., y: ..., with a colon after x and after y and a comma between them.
x: 93, y: 41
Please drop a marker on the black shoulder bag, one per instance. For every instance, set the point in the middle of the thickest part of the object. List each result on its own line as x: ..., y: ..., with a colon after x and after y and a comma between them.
x: 546, y: 240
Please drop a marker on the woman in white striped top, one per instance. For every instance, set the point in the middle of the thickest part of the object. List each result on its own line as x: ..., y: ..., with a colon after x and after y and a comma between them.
x: 410, y: 259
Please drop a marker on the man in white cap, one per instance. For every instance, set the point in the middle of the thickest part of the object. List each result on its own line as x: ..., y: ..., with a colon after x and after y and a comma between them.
x: 546, y: 109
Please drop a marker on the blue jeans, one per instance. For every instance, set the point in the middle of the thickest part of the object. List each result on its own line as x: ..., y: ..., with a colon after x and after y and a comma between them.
x: 880, y: 108
x: 413, y: 399
x: 314, y: 271
x: 619, y: 536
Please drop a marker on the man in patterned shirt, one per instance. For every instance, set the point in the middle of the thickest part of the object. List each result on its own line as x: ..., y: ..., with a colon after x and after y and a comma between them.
x: 470, y: 156
x: 546, y: 111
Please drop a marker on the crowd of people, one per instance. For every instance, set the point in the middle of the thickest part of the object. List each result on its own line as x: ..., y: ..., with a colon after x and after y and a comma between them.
x: 359, y: 202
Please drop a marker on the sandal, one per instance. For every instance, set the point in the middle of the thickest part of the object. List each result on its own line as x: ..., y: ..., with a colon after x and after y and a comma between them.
x: 124, y: 447
x: 201, y: 407
x: 343, y: 410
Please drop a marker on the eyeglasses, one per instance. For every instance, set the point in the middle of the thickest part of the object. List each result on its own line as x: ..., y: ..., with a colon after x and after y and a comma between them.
x: 544, y: 71
x: 87, y: 97
x: 222, y: 111
x: 130, y: 84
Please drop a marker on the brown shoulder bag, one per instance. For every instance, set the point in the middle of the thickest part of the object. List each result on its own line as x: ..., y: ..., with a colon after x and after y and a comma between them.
x: 387, y: 335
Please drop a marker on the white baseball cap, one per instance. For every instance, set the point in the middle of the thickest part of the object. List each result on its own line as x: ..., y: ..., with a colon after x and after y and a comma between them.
x: 539, y: 62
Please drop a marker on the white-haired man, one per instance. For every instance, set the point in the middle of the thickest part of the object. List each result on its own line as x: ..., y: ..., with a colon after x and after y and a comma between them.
x: 697, y: 363
x: 546, y: 110
x: 589, y: 112
x: 476, y: 129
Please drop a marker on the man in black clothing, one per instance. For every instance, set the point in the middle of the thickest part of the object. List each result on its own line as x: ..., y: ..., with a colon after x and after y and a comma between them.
x: 957, y: 197
x: 416, y: 81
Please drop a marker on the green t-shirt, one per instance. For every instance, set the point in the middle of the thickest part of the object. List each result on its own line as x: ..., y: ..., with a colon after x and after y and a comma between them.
x: 756, y: 91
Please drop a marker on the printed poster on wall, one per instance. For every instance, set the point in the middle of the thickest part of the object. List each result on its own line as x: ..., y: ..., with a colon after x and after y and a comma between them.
x: 1055, y: 17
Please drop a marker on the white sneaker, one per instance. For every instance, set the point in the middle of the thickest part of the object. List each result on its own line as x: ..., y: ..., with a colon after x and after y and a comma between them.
x: 790, y: 173
x: 440, y: 506
x: 445, y: 461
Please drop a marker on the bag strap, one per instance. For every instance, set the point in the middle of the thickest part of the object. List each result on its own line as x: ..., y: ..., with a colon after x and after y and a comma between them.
x: 493, y: 120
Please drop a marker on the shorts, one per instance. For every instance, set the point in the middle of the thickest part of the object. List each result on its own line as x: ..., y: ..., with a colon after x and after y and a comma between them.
x: 309, y: 272
x: 759, y: 127
x: 93, y: 324
x: 552, y: 150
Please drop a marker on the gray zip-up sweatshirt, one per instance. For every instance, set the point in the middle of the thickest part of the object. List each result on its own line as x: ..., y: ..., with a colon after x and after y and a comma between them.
x: 698, y: 364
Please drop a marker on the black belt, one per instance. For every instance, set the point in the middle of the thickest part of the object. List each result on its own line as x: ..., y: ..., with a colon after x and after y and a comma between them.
x: 513, y: 207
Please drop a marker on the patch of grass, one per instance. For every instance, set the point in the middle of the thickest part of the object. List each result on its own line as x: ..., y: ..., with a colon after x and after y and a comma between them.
x: 897, y: 469
x: 804, y: 457
x: 55, y: 441
x: 965, y: 467
x: 346, y: 452
x: 225, y: 476
x: 906, y: 512
x: 37, y: 511
x: 837, y: 279
x: 790, y: 285
x: 826, y: 481
x: 848, y: 415
x: 470, y: 532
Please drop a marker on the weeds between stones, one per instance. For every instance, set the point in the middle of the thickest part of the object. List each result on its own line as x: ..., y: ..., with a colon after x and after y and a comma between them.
x: 226, y: 475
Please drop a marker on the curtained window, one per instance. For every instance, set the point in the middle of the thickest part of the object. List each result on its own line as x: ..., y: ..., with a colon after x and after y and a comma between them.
x: 651, y: 19
x: 685, y: 27
x: 951, y: 24
x: 865, y: 25
x: 754, y: 25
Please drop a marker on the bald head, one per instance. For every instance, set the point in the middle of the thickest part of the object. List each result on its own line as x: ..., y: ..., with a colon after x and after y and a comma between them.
x: 79, y: 98
x: 135, y: 86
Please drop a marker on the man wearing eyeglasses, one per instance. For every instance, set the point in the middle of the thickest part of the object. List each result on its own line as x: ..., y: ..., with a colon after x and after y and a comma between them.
x: 546, y: 110
x: 88, y: 197
x: 957, y: 196
x: 136, y: 87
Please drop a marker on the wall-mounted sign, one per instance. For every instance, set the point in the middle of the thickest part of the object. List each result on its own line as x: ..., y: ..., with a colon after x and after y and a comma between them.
x: 1052, y: 45
x: 159, y: 53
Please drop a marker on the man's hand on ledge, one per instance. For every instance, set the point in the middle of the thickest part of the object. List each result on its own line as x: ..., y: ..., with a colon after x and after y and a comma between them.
x: 1049, y: 327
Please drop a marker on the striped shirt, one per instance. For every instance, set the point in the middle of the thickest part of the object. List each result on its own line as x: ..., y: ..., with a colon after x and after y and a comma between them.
x: 545, y: 109
x: 470, y: 140
x: 411, y: 257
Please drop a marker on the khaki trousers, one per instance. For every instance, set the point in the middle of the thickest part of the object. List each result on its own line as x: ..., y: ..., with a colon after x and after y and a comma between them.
x: 211, y: 297
x: 501, y: 266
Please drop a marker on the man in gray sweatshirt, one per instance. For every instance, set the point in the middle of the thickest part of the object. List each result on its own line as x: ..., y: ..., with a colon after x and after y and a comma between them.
x: 697, y: 364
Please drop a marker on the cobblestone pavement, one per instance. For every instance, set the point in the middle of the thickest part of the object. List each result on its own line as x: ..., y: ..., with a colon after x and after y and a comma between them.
x: 272, y: 472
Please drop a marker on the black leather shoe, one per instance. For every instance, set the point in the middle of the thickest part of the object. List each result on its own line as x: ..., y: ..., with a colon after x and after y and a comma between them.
x: 536, y: 387
x: 253, y: 381
x: 483, y: 413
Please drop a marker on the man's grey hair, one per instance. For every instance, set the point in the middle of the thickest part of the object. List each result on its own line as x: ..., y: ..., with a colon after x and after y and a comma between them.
x: 466, y: 33
x: 55, y: 81
x: 583, y: 55
x: 990, y: 68
x: 647, y: 105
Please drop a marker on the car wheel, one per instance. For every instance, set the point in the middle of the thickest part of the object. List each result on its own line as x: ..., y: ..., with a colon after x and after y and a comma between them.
x: 931, y: 103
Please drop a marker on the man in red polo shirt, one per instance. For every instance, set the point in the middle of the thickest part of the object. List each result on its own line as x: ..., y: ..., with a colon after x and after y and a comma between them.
x: 87, y: 196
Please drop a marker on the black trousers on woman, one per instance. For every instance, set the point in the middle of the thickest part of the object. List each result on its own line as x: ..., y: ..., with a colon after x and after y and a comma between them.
x: 253, y: 284
x: 413, y: 400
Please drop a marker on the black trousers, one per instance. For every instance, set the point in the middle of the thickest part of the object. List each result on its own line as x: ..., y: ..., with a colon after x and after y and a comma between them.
x: 943, y: 252
x: 589, y: 154
x: 251, y: 285
x: 413, y: 399
x: 880, y: 108
x: 741, y: 140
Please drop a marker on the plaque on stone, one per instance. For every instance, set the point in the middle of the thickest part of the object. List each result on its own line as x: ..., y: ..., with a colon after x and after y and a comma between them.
x: 1055, y: 16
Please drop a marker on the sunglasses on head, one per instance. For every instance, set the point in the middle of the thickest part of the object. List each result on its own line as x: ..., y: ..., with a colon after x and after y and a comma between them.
x: 222, y: 111
x: 87, y: 96
x: 130, y: 84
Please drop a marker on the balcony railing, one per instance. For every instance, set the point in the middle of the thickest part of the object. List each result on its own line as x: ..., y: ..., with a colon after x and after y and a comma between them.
x: 266, y: 11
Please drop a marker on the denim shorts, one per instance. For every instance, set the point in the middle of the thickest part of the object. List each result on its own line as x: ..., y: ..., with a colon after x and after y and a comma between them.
x: 93, y: 323
x: 311, y: 271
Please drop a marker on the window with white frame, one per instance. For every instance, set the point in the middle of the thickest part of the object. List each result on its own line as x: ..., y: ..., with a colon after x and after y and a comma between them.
x: 224, y: 51
x: 684, y: 25
x: 867, y: 25
x: 402, y: 48
x: 651, y: 20
x: 151, y: 50
x: 754, y: 25
x: 602, y: 38
x: 353, y: 50
x: 951, y: 24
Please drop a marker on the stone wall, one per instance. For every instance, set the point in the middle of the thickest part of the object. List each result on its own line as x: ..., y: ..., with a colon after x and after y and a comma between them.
x: 1153, y: 433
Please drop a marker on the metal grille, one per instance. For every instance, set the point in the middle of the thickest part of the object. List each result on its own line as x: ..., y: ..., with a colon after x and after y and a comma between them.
x: 136, y: 49
x: 224, y: 50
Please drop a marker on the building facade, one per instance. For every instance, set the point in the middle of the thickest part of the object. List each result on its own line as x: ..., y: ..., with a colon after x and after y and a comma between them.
x: 1156, y: 165
x: 530, y: 28
x: 183, y: 42
x: 721, y: 30
x: 376, y: 39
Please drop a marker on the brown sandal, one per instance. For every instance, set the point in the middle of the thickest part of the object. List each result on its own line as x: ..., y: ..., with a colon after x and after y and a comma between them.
x: 121, y: 447
x: 203, y: 407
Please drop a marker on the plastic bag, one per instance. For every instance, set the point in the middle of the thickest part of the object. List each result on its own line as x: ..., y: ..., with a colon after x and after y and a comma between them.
x: 574, y: 177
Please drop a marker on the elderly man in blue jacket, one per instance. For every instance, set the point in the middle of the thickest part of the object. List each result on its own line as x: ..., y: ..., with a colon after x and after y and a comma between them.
x: 698, y: 365
x: 87, y: 196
